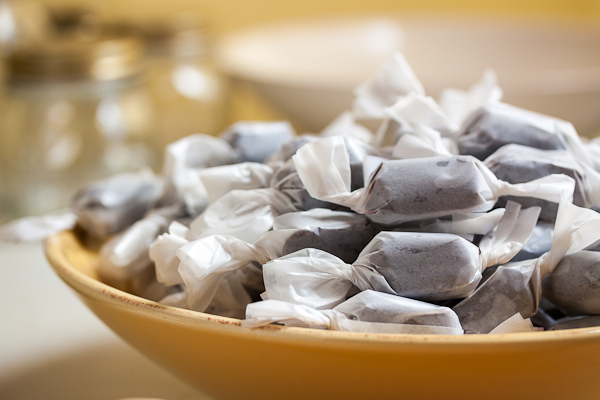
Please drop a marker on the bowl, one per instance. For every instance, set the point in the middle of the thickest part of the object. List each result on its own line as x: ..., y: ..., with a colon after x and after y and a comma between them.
x: 309, y: 68
x: 227, y: 361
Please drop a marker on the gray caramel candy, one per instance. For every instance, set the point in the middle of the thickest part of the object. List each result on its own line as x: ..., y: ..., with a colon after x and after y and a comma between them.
x: 498, y: 124
x: 400, y: 191
x: 109, y: 206
x: 372, y: 306
x: 417, y: 189
x: 286, y: 180
x: 343, y: 234
x: 255, y: 141
x: 518, y: 164
x: 587, y: 321
x: 508, y: 290
x: 424, y: 266
x: 574, y: 285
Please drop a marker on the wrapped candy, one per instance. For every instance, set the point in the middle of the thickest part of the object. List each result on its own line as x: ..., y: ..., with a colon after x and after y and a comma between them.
x: 517, y: 286
x: 184, y: 159
x: 109, y: 206
x: 417, y: 123
x: 126, y: 254
x: 418, y: 127
x: 229, y: 298
x: 573, y: 285
x: 218, y: 181
x: 399, y: 191
x: 256, y: 141
x: 288, y: 181
x: 497, y: 124
x: 424, y: 266
x: 204, y: 262
x: 368, y: 311
x: 342, y: 234
x: 244, y: 214
x: 100, y: 209
x: 515, y: 163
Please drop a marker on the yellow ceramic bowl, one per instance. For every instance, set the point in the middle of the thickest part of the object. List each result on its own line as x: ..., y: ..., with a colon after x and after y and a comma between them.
x: 226, y: 361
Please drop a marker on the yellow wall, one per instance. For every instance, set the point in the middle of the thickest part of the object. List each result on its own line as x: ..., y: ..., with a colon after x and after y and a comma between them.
x: 225, y: 15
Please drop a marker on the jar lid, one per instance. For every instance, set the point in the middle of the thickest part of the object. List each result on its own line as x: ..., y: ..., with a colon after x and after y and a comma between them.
x: 74, y: 57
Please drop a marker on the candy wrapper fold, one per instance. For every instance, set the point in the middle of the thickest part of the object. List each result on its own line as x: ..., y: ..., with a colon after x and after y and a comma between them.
x: 368, y: 311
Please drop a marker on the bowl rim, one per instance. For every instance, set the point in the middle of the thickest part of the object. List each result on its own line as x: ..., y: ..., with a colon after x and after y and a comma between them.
x: 232, y: 47
x: 88, y: 286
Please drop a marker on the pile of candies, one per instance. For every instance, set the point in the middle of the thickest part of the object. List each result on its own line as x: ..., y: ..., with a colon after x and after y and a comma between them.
x: 466, y: 215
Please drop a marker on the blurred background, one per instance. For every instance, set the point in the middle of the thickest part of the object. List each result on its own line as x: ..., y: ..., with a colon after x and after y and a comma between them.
x: 93, y: 88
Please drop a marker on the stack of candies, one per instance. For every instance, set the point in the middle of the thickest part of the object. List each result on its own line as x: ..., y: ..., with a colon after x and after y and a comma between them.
x: 466, y: 215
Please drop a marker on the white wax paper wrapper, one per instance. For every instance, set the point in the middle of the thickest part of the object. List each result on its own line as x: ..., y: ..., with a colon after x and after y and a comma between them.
x: 416, y: 109
x: 416, y: 189
x: 245, y: 214
x: 467, y: 224
x: 317, y: 279
x: 515, y: 324
x: 163, y: 252
x: 366, y: 312
x: 345, y: 125
x: 509, y: 236
x: 205, y: 262
x: 416, y: 127
x: 288, y: 149
x: 218, y: 181
x: 458, y: 104
x: 230, y: 299
x: 185, y: 158
x: 29, y: 229
x: 394, y: 79
x: 126, y: 254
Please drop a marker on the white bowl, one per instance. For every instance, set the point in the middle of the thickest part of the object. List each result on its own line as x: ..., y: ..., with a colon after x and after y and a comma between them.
x: 308, y: 69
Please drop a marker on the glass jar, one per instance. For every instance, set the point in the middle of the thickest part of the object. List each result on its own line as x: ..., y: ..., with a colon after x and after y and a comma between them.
x: 73, y: 110
x: 187, y: 88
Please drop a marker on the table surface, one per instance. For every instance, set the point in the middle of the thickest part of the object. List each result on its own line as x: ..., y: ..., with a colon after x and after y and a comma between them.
x: 53, y: 347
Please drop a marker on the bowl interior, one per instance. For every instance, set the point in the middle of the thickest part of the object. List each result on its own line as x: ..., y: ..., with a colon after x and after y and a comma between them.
x: 227, y: 361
